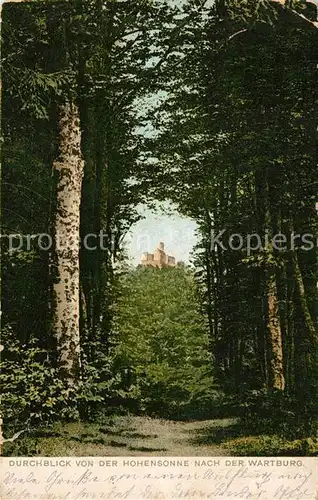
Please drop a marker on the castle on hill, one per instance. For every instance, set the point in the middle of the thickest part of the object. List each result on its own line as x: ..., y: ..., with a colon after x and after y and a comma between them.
x: 158, y: 259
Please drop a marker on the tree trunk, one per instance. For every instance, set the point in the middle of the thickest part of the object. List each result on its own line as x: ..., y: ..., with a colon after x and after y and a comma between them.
x: 273, y: 314
x: 277, y: 359
x: 291, y: 330
x: 209, y: 281
x: 68, y: 172
x: 303, y: 299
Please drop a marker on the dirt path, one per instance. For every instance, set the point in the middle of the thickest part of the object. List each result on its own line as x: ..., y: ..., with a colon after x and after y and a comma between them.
x: 130, y: 436
x: 161, y: 437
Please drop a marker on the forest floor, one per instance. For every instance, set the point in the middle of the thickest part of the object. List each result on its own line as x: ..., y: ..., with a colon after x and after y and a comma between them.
x: 130, y: 436
x: 145, y: 436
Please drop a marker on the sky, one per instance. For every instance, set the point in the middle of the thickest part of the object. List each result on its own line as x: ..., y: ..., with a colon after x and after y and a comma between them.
x: 177, y: 233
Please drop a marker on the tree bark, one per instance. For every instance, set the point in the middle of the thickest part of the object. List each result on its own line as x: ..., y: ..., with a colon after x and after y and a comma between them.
x: 68, y: 172
x: 303, y: 299
x: 291, y: 329
x: 209, y: 281
x: 277, y: 358
x: 273, y: 313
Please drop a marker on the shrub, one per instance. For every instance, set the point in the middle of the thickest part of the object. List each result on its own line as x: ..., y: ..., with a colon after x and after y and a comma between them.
x: 272, y: 446
x: 274, y: 412
x: 31, y: 391
x: 100, y: 385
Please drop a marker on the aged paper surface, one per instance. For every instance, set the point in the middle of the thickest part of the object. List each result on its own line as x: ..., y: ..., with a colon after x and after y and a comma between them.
x: 141, y: 478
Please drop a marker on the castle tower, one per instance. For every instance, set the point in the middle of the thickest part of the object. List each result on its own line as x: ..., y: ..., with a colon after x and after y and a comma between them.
x: 158, y: 259
x: 160, y: 255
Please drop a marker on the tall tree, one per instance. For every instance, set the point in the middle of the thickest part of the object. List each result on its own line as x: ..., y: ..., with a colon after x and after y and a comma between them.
x: 68, y: 170
x: 228, y: 135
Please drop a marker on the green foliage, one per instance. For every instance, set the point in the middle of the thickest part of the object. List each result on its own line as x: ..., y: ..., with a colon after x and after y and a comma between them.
x: 32, y: 392
x: 247, y: 11
x: 99, y: 382
x: 274, y: 412
x: 31, y: 389
x: 161, y: 353
x: 25, y: 447
x: 24, y: 292
x: 272, y: 446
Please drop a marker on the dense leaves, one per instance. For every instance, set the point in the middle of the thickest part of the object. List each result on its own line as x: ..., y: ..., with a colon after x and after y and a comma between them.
x: 235, y: 143
x: 162, y: 353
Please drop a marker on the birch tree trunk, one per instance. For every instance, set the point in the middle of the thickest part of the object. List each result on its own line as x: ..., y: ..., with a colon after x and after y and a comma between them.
x: 68, y: 172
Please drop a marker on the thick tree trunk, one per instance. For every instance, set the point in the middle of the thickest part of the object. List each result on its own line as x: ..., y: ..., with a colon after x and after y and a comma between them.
x: 275, y: 332
x: 306, y: 343
x: 68, y: 172
x: 303, y: 299
x: 273, y: 314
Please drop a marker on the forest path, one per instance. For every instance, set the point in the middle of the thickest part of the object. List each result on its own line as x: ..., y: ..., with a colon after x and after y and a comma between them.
x: 132, y: 436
